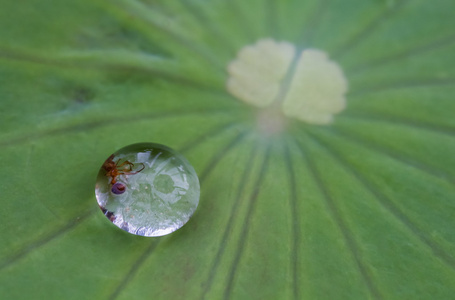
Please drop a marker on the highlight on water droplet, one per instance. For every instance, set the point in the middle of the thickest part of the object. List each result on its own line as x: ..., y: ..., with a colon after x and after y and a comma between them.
x: 147, y: 189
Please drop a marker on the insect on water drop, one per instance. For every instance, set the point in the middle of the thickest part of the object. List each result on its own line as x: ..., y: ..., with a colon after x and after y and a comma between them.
x: 156, y: 202
x: 114, y: 169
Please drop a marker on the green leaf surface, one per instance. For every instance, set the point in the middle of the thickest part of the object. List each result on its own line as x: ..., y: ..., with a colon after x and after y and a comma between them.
x: 362, y: 208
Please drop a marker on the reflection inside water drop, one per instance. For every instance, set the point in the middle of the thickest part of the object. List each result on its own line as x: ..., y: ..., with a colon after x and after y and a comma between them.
x: 147, y: 189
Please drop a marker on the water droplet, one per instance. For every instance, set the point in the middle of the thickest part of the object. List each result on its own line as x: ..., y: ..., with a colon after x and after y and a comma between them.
x: 147, y: 189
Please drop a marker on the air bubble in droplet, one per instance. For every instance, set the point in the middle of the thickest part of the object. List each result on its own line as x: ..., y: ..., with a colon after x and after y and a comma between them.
x: 118, y: 188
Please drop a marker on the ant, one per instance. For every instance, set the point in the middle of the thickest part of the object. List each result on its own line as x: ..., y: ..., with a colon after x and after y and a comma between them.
x: 112, y: 168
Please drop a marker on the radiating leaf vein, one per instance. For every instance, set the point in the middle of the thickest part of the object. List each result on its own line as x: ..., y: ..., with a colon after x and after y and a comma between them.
x: 402, y: 84
x: 311, y: 26
x: 134, y: 268
x: 232, y: 216
x: 403, y: 159
x: 88, y: 126
x: 367, y: 30
x: 344, y: 230
x: 389, y: 206
x: 295, y: 231
x: 246, y: 225
x: 151, y: 17
x: 23, y: 252
x: 218, y: 156
x: 399, y: 121
x: 398, y: 57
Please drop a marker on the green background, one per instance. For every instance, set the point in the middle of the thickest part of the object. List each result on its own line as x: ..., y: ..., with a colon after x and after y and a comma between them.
x: 363, y: 208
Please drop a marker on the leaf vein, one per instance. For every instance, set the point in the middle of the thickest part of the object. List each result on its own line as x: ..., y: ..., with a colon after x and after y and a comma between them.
x: 343, y: 227
x: 311, y: 26
x: 246, y: 226
x: 295, y: 232
x: 222, y: 153
x: 232, y: 216
x: 395, y: 155
x: 134, y: 269
x: 367, y: 30
x: 105, y: 123
x: 400, y: 121
x: 23, y: 252
x: 431, y: 46
x: 403, y: 84
x: 388, y: 204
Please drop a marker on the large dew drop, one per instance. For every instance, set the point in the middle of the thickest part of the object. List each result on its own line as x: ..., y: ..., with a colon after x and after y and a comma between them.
x: 147, y: 189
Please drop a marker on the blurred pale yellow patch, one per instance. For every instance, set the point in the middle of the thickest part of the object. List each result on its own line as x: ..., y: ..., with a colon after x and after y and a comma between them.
x: 257, y: 73
x: 315, y: 90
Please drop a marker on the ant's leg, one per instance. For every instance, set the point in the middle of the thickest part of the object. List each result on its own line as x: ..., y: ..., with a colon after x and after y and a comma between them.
x: 135, y: 172
x: 143, y: 167
x: 126, y: 162
x: 127, y: 166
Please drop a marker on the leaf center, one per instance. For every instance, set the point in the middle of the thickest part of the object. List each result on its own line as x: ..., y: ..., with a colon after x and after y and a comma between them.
x: 307, y: 86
